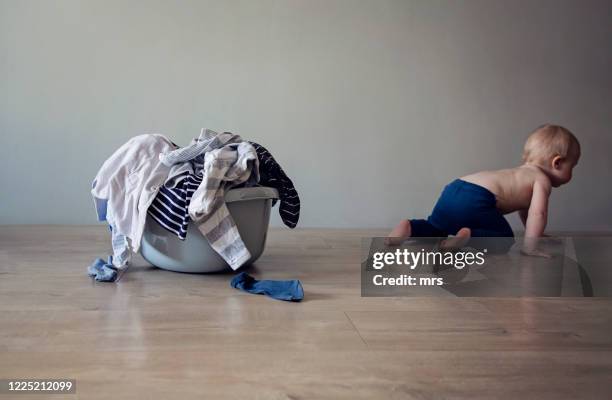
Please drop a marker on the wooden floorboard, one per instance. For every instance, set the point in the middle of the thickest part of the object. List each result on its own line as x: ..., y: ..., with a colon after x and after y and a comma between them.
x: 159, y: 334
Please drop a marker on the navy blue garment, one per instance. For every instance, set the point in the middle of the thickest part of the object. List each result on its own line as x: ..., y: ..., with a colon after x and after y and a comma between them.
x: 170, y: 208
x: 280, y: 290
x: 467, y: 205
x: 271, y: 174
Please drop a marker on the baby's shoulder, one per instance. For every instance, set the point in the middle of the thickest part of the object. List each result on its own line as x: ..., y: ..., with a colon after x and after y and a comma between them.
x: 532, y: 176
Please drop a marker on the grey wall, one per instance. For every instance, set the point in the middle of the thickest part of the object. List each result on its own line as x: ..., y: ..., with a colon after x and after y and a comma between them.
x: 370, y: 106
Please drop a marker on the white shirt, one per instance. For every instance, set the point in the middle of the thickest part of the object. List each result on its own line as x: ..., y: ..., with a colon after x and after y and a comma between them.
x: 127, y: 183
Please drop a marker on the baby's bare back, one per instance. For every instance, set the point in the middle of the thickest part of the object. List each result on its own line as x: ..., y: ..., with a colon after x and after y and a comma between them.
x: 512, y: 187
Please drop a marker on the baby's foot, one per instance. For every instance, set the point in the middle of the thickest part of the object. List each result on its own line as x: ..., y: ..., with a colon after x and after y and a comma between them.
x: 400, y: 233
x: 457, y: 241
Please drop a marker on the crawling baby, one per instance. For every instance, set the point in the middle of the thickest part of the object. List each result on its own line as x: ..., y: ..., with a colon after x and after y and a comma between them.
x: 473, y: 206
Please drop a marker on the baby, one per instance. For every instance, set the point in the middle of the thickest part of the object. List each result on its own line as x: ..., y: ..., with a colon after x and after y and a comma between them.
x: 473, y: 207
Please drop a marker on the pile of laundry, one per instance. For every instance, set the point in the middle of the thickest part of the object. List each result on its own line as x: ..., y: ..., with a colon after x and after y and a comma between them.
x: 178, y: 186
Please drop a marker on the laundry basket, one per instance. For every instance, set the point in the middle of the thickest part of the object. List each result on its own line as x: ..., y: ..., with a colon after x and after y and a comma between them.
x: 250, y: 209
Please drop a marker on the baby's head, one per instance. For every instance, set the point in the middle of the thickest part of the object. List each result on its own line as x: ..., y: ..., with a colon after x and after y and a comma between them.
x: 554, y: 149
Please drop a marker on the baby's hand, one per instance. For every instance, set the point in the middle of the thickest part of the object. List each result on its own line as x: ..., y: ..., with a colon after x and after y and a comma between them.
x: 535, y: 253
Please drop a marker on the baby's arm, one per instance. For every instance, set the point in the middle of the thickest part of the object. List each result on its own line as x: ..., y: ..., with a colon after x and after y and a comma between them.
x: 538, y: 210
x: 523, y: 215
x: 536, y: 217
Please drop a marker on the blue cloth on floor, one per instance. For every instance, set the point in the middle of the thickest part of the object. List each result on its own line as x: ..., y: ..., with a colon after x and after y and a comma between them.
x: 281, y: 290
x: 103, y: 271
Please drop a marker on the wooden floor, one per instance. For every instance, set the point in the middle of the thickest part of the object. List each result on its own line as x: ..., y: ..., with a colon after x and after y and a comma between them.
x: 161, y: 335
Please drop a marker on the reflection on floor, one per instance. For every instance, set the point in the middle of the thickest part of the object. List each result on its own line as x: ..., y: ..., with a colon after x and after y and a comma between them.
x: 158, y: 334
x: 574, y: 267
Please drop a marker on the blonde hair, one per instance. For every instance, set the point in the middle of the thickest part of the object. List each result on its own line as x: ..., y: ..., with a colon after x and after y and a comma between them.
x: 549, y: 141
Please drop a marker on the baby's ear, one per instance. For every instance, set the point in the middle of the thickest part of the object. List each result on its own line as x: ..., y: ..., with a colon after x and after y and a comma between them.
x: 556, y: 162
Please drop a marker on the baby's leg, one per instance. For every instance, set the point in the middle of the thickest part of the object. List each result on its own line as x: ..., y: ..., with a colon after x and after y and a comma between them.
x: 457, y: 241
x: 412, y: 228
x: 493, y: 233
x: 400, y: 233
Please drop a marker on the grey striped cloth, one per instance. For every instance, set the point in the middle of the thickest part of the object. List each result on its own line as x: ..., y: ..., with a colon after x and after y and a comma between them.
x: 207, y: 141
x: 226, y: 161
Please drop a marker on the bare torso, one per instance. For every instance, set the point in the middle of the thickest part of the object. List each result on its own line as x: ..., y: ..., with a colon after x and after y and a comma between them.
x: 512, y: 187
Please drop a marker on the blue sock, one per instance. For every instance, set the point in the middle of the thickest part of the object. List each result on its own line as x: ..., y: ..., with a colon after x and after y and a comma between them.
x: 281, y: 290
x: 103, y: 271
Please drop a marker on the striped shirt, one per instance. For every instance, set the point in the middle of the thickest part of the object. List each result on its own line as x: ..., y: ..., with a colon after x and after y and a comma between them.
x: 170, y: 207
x: 210, y: 164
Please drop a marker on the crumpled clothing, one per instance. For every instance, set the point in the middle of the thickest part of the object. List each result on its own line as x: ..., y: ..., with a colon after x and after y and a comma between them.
x: 290, y: 290
x: 223, y: 160
x: 103, y: 271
